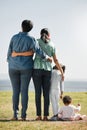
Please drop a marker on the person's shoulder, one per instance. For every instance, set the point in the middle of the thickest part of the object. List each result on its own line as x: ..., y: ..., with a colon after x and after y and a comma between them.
x: 62, y: 107
x: 40, y: 41
x: 51, y: 47
x: 68, y: 107
x: 55, y: 71
x: 15, y: 35
x: 50, y: 43
x: 30, y: 38
x: 72, y: 106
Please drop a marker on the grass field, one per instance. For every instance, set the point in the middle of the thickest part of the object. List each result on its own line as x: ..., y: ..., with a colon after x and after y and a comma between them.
x: 6, y: 114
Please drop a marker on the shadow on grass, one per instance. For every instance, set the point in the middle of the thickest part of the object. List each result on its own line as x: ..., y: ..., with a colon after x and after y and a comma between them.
x: 9, y: 120
x: 4, y: 120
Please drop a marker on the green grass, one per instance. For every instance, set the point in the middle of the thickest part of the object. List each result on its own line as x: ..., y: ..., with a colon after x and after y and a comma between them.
x: 6, y: 114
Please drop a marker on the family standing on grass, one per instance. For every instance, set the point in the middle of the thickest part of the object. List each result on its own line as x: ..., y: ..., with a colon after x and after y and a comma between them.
x: 30, y: 58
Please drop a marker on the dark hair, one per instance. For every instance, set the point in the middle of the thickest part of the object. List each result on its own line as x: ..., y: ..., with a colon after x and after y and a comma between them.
x: 27, y: 25
x: 67, y: 100
x: 55, y: 67
x: 45, y: 30
x: 45, y: 35
x: 63, y: 67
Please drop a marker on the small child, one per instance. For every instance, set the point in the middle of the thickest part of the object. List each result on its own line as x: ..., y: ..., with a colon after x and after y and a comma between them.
x: 56, y: 90
x: 69, y: 111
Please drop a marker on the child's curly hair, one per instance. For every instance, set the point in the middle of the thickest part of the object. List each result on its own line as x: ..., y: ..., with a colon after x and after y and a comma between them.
x: 67, y: 100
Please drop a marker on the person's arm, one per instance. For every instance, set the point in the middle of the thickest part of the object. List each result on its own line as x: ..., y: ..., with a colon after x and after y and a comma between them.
x: 61, y: 88
x: 36, y: 48
x: 58, y: 65
x: 61, y: 94
x: 77, y: 108
x: 27, y: 53
x: 9, y: 50
x: 60, y: 112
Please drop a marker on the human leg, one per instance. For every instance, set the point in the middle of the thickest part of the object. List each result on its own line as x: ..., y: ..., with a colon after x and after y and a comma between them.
x: 54, y: 101
x: 37, y: 79
x: 46, y: 90
x: 15, y: 81
x: 25, y: 80
x: 79, y: 117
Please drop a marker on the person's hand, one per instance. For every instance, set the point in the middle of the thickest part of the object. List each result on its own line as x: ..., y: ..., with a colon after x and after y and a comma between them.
x: 14, y: 54
x: 61, y: 96
x: 49, y: 59
x: 78, y: 104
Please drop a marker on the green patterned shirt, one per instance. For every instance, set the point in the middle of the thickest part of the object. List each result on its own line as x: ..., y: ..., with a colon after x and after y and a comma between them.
x: 49, y: 49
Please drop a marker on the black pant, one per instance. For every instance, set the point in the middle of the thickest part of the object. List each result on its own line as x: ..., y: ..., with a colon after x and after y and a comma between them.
x: 41, y: 79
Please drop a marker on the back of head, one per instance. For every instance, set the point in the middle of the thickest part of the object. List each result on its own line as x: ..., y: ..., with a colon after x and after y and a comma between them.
x: 45, y: 35
x: 46, y: 31
x: 55, y: 67
x: 27, y: 25
x: 63, y: 68
x: 67, y: 100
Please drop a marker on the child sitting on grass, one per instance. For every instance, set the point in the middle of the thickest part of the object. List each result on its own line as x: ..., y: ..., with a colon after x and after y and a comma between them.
x: 69, y: 111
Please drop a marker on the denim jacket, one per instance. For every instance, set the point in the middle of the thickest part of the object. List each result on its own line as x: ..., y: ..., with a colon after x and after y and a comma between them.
x: 22, y: 42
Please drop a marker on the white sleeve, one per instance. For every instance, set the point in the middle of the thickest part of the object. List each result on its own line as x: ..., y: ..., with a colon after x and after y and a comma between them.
x: 77, y: 109
x: 62, y: 85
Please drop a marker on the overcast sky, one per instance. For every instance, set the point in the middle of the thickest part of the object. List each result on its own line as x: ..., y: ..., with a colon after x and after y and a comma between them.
x: 67, y: 22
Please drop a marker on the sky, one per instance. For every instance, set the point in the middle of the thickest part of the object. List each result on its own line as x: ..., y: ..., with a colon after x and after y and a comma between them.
x: 67, y: 22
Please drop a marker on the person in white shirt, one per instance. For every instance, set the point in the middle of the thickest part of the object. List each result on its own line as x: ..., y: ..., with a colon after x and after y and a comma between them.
x: 69, y: 111
x: 56, y: 90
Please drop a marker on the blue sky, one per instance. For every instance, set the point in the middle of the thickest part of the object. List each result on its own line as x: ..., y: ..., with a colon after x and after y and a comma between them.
x: 67, y: 22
